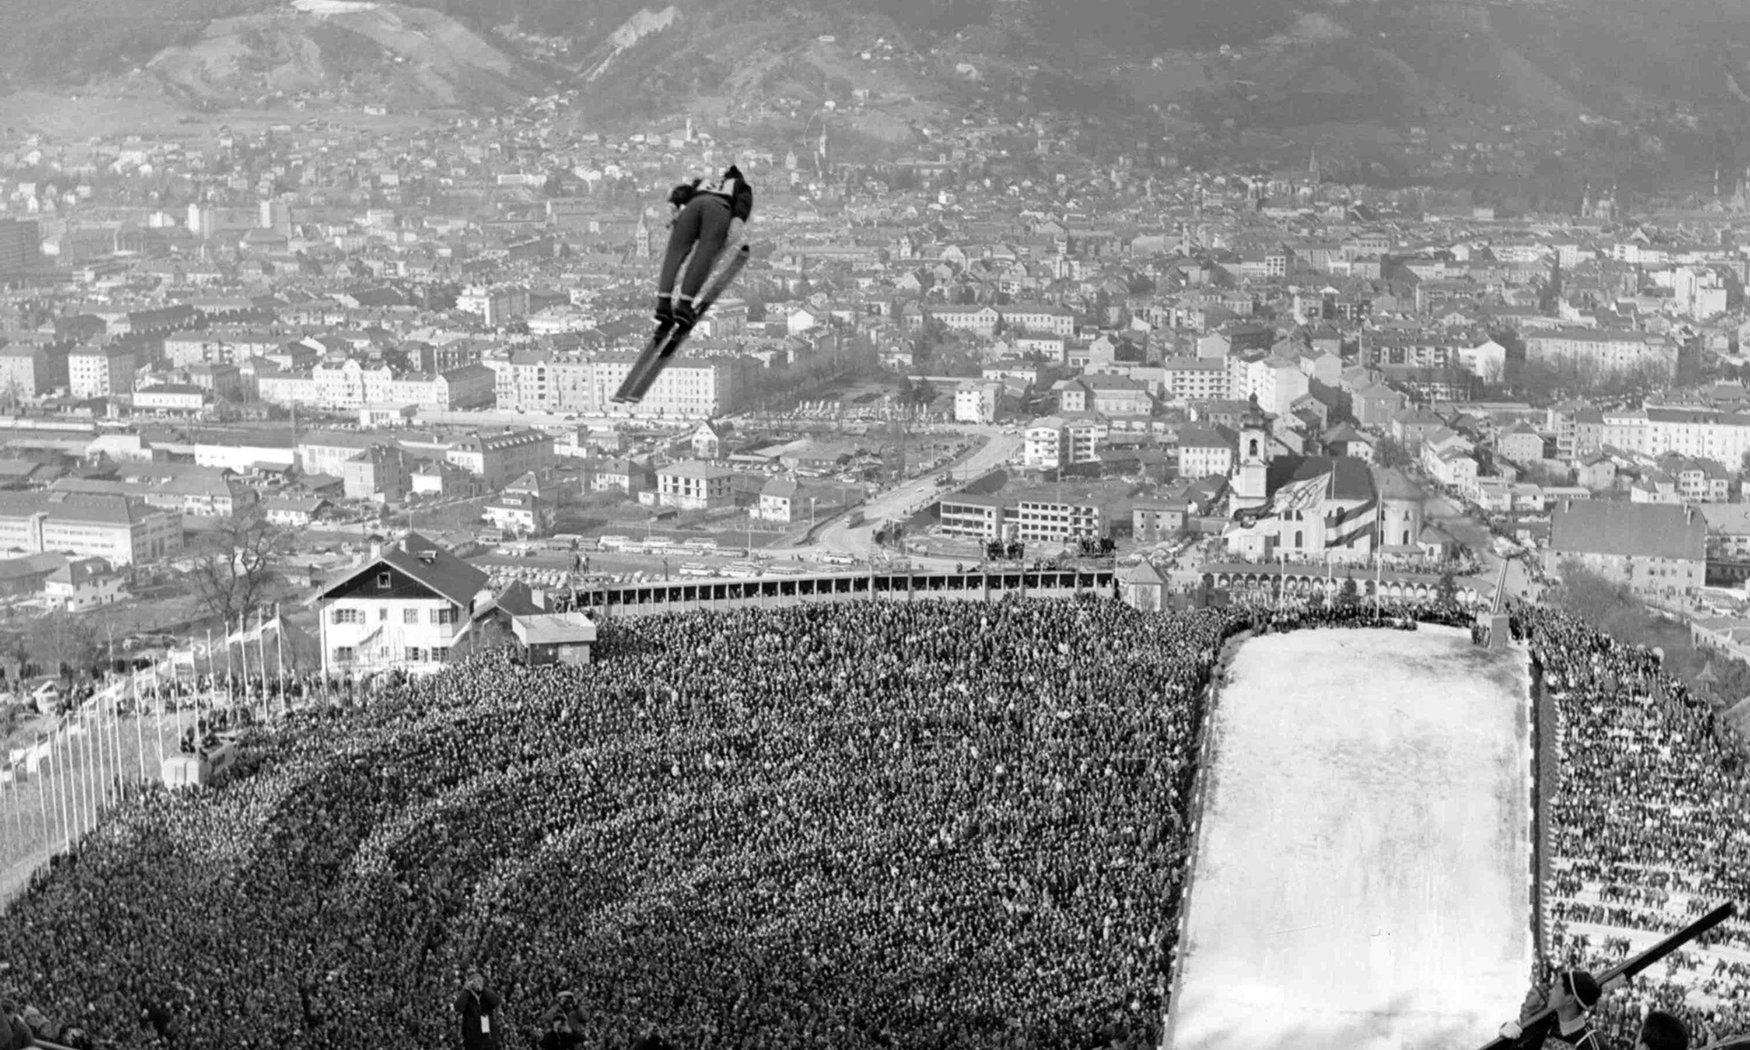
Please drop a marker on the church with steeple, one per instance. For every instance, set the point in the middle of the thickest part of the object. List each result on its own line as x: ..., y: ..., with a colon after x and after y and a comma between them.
x: 1303, y: 507
x: 643, y: 238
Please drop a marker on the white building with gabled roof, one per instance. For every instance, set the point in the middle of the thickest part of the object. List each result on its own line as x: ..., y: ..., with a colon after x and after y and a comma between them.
x: 407, y: 606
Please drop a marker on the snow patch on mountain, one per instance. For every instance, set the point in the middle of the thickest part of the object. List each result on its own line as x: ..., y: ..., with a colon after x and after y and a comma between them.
x: 634, y: 29
x: 323, y: 8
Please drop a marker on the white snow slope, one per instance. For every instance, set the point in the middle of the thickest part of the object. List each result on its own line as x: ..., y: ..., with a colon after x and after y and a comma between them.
x: 1363, y: 869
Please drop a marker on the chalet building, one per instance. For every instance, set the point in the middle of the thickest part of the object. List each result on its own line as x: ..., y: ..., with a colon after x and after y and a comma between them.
x: 406, y: 607
x: 84, y: 583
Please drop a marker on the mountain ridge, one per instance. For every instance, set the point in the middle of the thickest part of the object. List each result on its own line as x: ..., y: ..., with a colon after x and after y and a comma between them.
x: 1167, y: 65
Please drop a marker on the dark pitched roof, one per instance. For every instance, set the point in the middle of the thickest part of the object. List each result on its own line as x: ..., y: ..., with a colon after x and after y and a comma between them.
x: 1143, y: 572
x: 1648, y: 530
x: 1207, y: 437
x: 1350, y: 478
x: 429, y: 564
x: 518, y: 599
x: 1394, y: 484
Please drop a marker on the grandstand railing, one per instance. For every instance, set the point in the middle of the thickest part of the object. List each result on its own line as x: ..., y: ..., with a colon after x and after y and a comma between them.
x: 656, y: 596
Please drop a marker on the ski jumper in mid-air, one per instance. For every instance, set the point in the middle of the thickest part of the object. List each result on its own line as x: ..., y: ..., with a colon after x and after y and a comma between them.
x: 708, y: 217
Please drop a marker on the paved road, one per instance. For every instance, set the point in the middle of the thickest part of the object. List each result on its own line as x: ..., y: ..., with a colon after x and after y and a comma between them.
x: 1449, y: 515
x: 902, y: 502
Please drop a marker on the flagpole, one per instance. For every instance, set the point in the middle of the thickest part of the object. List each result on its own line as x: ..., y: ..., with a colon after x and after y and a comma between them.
x: 230, y: 680
x: 243, y: 656
x: 139, y: 717
x: 109, y: 676
x: 279, y: 644
x: 10, y: 787
x: 115, y: 741
x: 86, y: 806
x: 58, y: 770
x: 103, y: 775
x: 12, y: 771
x: 102, y: 760
x: 42, y: 794
x: 67, y: 785
x: 212, y: 674
x: 158, y: 695
x: 1378, y: 582
x: 109, y: 775
x: 20, y: 769
x: 78, y: 781
x: 92, y: 804
x: 261, y: 651
x: 112, y: 779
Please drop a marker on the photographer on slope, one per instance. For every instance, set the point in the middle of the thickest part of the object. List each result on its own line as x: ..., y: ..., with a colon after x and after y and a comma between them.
x: 1571, y: 995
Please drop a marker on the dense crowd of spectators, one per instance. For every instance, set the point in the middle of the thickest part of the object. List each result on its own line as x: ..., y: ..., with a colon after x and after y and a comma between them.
x: 880, y: 824
x: 1648, y: 825
x: 903, y: 824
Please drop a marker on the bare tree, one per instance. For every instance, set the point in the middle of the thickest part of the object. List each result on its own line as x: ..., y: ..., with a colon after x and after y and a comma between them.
x: 238, y: 562
x: 63, y: 645
x: 15, y: 655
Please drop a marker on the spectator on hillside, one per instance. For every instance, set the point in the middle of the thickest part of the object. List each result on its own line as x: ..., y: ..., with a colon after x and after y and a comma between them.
x: 559, y: 1035
x: 1571, y: 995
x: 13, y: 1027
x: 564, y: 1008
x: 41, y: 1027
x: 477, y: 1007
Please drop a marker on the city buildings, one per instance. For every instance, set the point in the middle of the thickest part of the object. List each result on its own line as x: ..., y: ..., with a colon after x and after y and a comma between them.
x: 1601, y: 351
x: 695, y: 485
x: 100, y: 371
x: 1660, y: 551
x: 19, y: 246
x: 497, y: 458
x: 119, y: 530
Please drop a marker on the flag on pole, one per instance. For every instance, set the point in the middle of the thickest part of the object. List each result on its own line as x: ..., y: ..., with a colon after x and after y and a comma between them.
x: 246, y: 633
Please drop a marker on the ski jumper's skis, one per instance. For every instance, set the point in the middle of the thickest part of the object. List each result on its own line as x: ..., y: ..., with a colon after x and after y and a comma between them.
x: 1531, y: 1032
x: 669, y: 338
